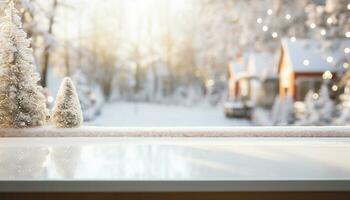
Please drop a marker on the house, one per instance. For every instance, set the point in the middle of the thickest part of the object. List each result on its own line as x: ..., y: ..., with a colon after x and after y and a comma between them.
x: 301, y: 66
x: 254, y: 77
x: 238, y: 79
x: 265, y: 87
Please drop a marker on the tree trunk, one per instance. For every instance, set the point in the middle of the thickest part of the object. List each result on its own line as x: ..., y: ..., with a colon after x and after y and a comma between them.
x: 48, y: 46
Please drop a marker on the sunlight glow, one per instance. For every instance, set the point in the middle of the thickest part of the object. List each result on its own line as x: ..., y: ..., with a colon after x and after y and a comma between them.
x: 149, y: 18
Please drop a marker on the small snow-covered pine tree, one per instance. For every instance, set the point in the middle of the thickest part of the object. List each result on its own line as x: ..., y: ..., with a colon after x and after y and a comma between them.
x: 89, y: 101
x: 67, y: 112
x: 283, y: 111
x: 22, y: 103
x: 310, y: 116
x: 287, y: 111
x: 325, y: 106
x: 276, y: 110
x: 319, y: 109
x: 344, y: 107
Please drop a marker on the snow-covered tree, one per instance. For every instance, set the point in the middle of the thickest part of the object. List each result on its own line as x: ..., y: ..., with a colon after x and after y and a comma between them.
x: 344, y: 107
x: 329, y: 23
x: 319, y: 108
x: 282, y: 111
x: 67, y: 112
x: 39, y: 18
x: 22, y: 103
x: 329, y: 20
x: 276, y: 110
x: 89, y: 99
x: 271, y: 20
x: 310, y: 116
x: 325, y: 106
x: 287, y: 111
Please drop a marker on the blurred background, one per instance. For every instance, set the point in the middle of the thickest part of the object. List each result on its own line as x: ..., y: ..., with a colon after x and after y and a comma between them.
x: 196, y: 63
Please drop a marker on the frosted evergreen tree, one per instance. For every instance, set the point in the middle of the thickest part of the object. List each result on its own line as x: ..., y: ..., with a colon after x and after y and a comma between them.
x: 325, y: 106
x: 89, y: 100
x: 276, y: 110
x: 287, y: 111
x: 67, y: 111
x: 344, y: 107
x: 319, y: 108
x: 283, y: 111
x: 311, y: 116
x: 22, y: 103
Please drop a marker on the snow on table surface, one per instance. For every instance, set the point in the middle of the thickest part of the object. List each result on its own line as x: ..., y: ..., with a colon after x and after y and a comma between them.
x: 174, y: 158
x: 256, y: 131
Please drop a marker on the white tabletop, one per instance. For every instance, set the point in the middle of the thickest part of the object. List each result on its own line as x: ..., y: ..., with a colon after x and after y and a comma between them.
x: 167, y: 164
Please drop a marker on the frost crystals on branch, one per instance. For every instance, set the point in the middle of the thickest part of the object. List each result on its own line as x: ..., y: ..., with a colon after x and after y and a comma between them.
x: 67, y: 111
x: 22, y: 103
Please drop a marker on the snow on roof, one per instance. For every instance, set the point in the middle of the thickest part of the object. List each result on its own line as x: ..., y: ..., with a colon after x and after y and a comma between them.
x: 244, y: 75
x: 263, y: 65
x: 309, y: 55
x: 236, y: 67
x: 239, y: 65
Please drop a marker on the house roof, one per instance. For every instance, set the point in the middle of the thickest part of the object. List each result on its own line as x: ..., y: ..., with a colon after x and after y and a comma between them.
x: 263, y: 65
x: 239, y: 65
x: 314, y: 53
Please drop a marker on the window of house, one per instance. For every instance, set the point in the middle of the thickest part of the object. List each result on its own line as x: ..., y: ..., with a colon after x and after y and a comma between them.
x: 304, y: 86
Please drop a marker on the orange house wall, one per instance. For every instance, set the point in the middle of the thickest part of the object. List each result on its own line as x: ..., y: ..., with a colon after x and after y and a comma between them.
x: 283, y: 75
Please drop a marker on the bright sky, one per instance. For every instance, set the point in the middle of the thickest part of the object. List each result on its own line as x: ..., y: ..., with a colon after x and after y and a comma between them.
x: 135, y: 18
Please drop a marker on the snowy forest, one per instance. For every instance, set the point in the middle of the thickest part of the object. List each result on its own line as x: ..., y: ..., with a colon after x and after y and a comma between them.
x: 174, y: 62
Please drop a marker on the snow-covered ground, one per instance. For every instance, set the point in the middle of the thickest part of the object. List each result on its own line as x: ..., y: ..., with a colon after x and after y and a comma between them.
x: 147, y: 114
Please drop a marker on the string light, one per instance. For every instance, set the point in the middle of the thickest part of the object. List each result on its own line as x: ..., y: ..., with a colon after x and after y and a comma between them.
x: 293, y: 39
x: 274, y: 35
x: 329, y: 20
x: 50, y: 99
x: 265, y: 28
x: 312, y: 25
x: 323, y: 32
x: 306, y: 62
x: 346, y: 50
x: 259, y: 20
x: 347, y: 34
x: 327, y: 75
x: 330, y: 59
x: 334, y: 88
x: 345, y: 65
x: 288, y: 16
x: 349, y: 6
x: 315, y: 96
x: 269, y: 12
